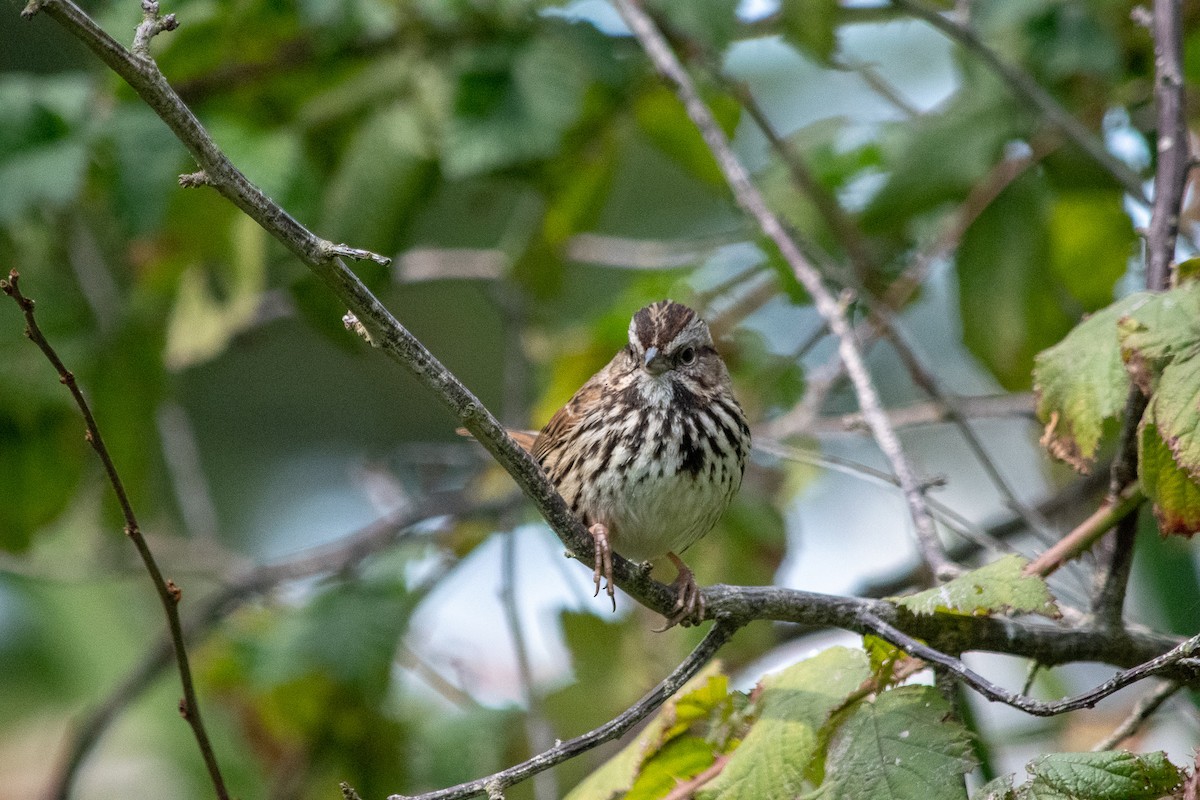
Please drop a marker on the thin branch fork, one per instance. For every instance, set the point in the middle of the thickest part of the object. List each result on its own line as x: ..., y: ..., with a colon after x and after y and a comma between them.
x: 169, y: 593
x: 751, y: 200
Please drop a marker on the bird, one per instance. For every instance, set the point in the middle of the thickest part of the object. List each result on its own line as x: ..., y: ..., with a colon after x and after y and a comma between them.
x: 651, y: 450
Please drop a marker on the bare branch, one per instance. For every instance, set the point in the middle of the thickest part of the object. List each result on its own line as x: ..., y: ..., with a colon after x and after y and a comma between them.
x: 720, y: 633
x: 1020, y: 404
x: 1084, y: 535
x: 752, y: 201
x: 168, y: 593
x: 538, y: 732
x: 1145, y: 708
x: 1174, y: 161
x: 1184, y: 651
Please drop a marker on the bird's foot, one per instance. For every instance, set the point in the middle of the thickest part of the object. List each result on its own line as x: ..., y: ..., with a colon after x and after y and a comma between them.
x: 689, y: 601
x: 604, y: 565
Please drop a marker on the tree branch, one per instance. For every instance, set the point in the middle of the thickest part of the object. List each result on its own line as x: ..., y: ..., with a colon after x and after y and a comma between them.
x: 752, y: 202
x: 1170, y: 179
x: 1183, y: 651
x: 1145, y: 708
x: 169, y: 594
x: 492, y: 785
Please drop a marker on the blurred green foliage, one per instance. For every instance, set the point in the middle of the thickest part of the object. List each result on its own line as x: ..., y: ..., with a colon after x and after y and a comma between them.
x: 491, y: 149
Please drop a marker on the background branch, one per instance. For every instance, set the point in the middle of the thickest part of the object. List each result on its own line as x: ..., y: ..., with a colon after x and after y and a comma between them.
x: 752, y: 202
x: 169, y: 594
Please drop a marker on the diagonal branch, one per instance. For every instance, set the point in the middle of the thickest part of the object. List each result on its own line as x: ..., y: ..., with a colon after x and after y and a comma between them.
x: 494, y: 785
x: 324, y: 258
x: 168, y: 593
x: 752, y: 202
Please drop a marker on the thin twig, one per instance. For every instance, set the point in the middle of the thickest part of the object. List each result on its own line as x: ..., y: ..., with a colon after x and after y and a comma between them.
x: 1108, y: 602
x: 842, y: 225
x: 752, y: 201
x: 1142, y: 711
x: 1029, y: 91
x: 1020, y: 404
x: 1185, y: 650
x: 720, y: 633
x: 1174, y: 160
x: 943, y: 513
x: 1085, y: 534
x: 169, y: 594
x: 924, y: 378
x: 964, y: 550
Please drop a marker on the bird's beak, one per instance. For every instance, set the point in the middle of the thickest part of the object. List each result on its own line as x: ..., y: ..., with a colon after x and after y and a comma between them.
x: 655, y: 364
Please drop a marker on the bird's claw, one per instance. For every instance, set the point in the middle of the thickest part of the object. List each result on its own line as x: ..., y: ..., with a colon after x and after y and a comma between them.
x: 603, y: 561
x: 689, y: 600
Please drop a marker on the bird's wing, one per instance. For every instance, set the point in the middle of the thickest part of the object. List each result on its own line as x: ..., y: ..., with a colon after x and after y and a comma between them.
x: 558, y: 429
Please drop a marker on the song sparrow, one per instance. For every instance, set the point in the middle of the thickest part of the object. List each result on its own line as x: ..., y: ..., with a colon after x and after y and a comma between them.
x: 651, y: 450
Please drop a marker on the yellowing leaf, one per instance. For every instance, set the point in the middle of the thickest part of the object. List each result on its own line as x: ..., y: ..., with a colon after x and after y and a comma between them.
x: 1163, y: 329
x: 621, y: 772
x: 998, y: 587
x: 1175, y: 496
x: 1081, y: 385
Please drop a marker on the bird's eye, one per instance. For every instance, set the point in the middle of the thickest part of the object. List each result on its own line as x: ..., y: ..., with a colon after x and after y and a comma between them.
x: 687, y: 355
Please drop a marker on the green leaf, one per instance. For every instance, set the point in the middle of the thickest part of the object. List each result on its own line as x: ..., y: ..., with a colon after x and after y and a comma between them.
x: 202, y: 324
x: 1175, y: 496
x: 1107, y: 775
x: 998, y: 587
x: 665, y: 121
x: 811, y: 25
x: 903, y: 744
x: 1081, y: 384
x: 347, y: 634
x: 793, y: 706
x: 41, y: 458
x: 1091, y: 241
x: 1159, y: 331
x: 940, y: 156
x: 514, y: 103
x: 996, y: 789
x: 710, y: 23
x: 1009, y: 299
